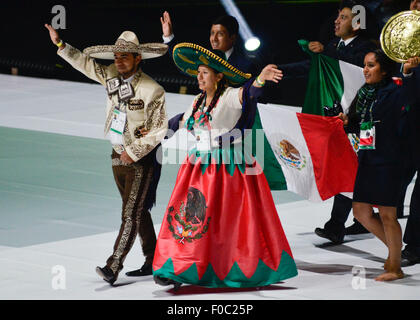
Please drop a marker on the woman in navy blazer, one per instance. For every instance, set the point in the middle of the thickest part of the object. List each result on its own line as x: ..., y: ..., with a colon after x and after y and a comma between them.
x: 378, y: 179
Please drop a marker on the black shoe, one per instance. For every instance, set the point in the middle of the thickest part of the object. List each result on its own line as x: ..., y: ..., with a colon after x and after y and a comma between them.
x: 356, y: 228
x: 146, y: 270
x: 410, y: 256
x: 334, y: 238
x: 106, y: 274
x: 166, y: 282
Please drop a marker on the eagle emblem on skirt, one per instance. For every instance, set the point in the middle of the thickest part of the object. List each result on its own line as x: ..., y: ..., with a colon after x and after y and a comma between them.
x: 189, y: 223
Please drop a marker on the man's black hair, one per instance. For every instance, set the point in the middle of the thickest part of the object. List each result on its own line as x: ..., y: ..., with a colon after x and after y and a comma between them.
x: 230, y: 23
x: 349, y: 4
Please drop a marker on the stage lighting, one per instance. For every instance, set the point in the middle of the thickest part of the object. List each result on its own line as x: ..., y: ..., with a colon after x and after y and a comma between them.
x: 252, y: 43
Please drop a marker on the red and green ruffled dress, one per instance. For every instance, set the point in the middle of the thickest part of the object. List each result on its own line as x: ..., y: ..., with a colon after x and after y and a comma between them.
x: 221, y: 227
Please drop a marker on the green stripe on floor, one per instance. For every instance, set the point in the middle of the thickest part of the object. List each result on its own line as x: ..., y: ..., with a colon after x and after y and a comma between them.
x: 56, y: 187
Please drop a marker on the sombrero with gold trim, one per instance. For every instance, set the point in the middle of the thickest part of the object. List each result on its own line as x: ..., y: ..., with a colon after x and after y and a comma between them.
x: 189, y: 56
x: 127, y: 42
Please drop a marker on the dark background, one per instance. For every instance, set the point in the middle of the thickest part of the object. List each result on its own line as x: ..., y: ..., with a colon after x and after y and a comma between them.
x: 26, y: 44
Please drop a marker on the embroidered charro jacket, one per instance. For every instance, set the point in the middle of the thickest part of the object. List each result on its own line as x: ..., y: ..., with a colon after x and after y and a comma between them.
x: 145, y: 110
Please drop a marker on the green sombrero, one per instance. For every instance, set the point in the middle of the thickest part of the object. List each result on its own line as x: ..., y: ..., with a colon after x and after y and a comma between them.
x: 189, y: 56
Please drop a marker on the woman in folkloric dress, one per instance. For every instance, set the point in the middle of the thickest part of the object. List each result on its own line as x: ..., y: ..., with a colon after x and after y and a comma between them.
x: 221, y: 227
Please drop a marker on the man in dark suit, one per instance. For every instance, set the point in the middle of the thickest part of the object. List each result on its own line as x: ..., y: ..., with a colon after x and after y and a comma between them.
x: 224, y: 34
x: 410, y: 130
x: 411, y: 238
x: 351, y: 46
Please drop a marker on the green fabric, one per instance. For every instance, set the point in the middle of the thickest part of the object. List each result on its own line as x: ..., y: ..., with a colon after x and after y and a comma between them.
x: 262, y: 276
x: 366, y: 125
x: 325, y: 83
x: 231, y: 158
x: 272, y: 169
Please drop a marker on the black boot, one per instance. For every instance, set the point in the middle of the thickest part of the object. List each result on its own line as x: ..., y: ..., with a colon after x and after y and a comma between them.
x: 106, y: 274
x: 412, y: 257
x: 166, y: 282
x: 356, y: 228
x: 145, y: 270
x: 333, y: 237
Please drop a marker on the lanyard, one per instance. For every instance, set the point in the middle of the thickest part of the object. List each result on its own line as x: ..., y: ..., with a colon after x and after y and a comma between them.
x: 363, y: 115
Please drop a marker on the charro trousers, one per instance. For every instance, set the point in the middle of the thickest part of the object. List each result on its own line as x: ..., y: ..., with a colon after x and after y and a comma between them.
x: 133, y: 182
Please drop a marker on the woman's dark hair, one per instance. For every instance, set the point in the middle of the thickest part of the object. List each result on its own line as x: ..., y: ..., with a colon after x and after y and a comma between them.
x: 387, y: 65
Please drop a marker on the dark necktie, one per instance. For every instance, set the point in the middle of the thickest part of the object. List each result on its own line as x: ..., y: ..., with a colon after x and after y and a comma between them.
x: 340, y: 46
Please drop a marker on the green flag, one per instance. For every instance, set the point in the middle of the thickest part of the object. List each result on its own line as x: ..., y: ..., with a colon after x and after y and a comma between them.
x: 330, y: 80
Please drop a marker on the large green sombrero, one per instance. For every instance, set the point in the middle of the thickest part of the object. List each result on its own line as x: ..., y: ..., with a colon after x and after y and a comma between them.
x: 189, y: 56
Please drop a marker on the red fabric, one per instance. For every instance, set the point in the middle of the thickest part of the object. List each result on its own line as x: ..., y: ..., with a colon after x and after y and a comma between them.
x: 397, y: 81
x: 366, y: 142
x: 244, y: 225
x: 334, y: 160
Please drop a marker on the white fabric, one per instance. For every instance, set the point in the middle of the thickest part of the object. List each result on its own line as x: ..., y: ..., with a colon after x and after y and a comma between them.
x: 228, y: 53
x: 224, y: 115
x: 280, y: 124
x: 353, y: 79
x: 346, y: 42
x: 168, y: 39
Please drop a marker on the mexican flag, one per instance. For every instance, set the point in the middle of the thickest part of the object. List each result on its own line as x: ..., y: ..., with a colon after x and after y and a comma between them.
x: 307, y: 153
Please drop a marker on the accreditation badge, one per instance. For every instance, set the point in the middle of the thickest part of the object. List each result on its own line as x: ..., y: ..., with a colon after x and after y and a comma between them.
x: 118, y: 121
x: 125, y: 91
x: 367, y: 136
x: 202, y: 137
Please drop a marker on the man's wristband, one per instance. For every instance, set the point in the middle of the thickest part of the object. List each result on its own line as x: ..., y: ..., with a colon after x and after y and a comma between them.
x: 60, y: 44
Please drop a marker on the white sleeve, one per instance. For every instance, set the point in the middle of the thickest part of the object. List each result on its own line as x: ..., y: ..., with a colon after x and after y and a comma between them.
x: 231, y: 98
x: 83, y: 63
x: 168, y: 39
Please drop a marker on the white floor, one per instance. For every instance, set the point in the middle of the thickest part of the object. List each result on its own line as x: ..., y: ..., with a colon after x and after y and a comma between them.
x: 65, y: 269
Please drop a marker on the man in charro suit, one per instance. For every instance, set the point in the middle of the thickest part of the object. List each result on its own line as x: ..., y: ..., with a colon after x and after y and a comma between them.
x: 136, y: 122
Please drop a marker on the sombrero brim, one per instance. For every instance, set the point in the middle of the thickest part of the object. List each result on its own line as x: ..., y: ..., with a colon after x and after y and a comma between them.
x: 147, y: 51
x: 189, y: 56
